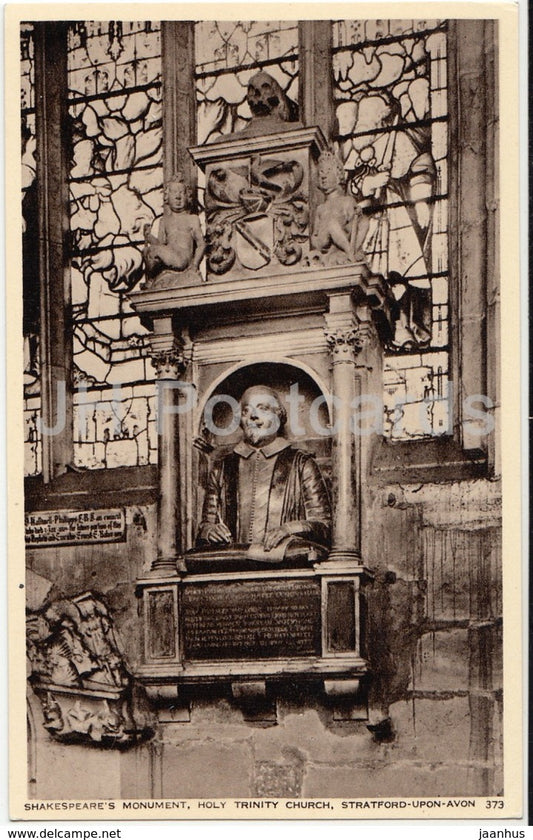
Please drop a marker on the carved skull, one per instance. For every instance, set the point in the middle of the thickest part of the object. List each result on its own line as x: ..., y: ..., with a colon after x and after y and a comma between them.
x: 265, y: 97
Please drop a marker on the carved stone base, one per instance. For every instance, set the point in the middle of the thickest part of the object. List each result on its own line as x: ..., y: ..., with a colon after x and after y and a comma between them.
x: 167, y: 566
x: 255, y: 633
x: 343, y: 556
x: 334, y: 257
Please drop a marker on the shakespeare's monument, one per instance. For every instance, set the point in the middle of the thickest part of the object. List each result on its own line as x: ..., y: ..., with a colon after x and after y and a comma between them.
x: 260, y: 555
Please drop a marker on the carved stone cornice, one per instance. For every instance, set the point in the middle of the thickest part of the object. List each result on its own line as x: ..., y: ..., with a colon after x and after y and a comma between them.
x: 169, y: 363
x: 302, y: 288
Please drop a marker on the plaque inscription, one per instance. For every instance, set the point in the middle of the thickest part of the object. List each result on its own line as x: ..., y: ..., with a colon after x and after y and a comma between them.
x: 68, y: 527
x: 257, y: 619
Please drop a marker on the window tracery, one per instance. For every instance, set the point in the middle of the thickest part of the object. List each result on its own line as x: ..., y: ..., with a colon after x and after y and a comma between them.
x: 114, y: 96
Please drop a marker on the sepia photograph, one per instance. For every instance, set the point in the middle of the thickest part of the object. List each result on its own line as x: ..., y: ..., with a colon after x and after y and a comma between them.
x: 260, y: 352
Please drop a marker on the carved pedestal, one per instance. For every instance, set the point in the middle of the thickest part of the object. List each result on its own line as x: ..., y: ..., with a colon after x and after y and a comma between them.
x: 255, y: 631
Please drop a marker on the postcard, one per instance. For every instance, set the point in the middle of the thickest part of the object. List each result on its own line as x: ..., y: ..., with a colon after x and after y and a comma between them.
x: 264, y: 432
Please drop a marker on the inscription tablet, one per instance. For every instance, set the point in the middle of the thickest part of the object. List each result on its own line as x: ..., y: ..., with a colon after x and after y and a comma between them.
x: 69, y: 527
x: 257, y: 619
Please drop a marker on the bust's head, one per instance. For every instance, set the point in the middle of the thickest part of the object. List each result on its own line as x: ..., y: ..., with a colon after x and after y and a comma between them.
x: 263, y: 416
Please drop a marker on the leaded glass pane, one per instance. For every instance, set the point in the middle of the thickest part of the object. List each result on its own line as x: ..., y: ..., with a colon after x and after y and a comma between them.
x: 115, y: 427
x: 33, y: 452
x: 390, y: 90
x: 417, y: 396
x: 116, y: 188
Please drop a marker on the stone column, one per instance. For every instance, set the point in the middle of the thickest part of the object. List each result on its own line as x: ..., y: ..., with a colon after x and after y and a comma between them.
x: 169, y: 363
x: 356, y: 372
x: 343, y: 339
x: 472, y: 127
x: 492, y: 255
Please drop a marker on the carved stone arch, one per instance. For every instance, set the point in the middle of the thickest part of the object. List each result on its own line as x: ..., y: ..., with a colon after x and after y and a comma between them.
x: 310, y: 432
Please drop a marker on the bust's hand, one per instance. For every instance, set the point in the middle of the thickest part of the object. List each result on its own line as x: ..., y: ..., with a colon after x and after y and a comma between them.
x: 275, y: 536
x: 216, y: 533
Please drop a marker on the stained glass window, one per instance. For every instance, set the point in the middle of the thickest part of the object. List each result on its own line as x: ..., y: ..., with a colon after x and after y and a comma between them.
x: 390, y: 90
x: 227, y: 55
x: 115, y: 181
x: 390, y: 96
x: 32, y: 380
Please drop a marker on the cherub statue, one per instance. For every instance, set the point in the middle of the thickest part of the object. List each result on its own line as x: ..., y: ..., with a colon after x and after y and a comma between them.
x: 339, y: 228
x: 180, y: 243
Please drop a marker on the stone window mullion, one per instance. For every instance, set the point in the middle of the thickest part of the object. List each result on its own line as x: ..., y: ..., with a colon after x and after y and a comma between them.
x: 52, y: 168
x: 179, y: 98
x: 316, y: 78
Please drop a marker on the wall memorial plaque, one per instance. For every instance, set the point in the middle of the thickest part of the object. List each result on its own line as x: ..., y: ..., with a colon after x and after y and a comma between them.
x: 257, y: 619
x: 71, y: 527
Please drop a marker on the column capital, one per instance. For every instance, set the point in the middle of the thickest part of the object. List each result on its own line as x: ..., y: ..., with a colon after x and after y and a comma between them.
x: 349, y: 332
x: 169, y: 362
x: 346, y: 340
x: 345, y: 343
x: 367, y: 336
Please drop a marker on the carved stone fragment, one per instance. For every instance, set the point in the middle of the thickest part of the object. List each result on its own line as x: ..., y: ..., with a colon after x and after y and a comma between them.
x: 78, y: 672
